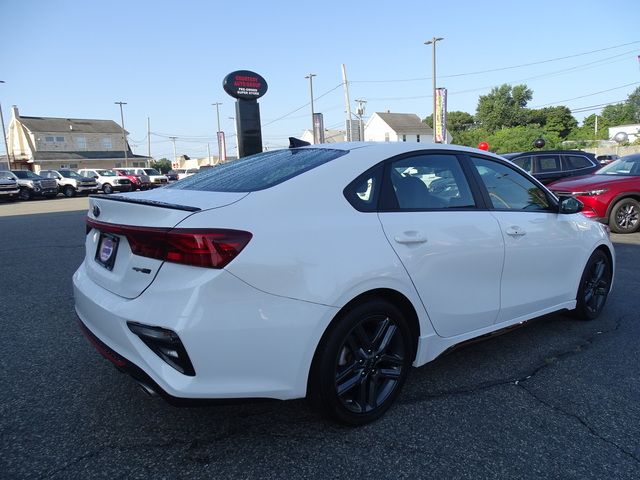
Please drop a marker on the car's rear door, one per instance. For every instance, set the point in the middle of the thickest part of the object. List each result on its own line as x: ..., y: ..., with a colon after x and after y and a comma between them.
x: 452, y: 250
x: 542, y: 253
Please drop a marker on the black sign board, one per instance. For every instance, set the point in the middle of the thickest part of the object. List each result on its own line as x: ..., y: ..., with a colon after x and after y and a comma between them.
x: 244, y: 84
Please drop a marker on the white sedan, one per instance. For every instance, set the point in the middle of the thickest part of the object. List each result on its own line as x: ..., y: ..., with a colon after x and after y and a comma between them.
x: 327, y: 271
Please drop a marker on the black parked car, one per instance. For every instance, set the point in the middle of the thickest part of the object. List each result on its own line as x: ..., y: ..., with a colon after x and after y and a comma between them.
x: 551, y: 165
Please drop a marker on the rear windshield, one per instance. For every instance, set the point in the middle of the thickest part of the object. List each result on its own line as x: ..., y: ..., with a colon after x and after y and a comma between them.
x: 258, y: 172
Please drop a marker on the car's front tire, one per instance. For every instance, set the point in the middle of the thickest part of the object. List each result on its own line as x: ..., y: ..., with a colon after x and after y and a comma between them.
x: 107, y: 188
x: 625, y: 216
x: 68, y: 191
x: 25, y: 194
x: 361, y: 363
x: 595, y: 284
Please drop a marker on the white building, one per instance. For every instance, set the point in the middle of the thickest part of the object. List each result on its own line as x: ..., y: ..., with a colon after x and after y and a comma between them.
x: 632, y: 131
x: 398, y: 127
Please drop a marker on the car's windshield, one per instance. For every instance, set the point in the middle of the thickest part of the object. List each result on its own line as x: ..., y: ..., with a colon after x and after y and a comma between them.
x: 7, y: 175
x: 151, y: 171
x: 107, y: 173
x: 69, y: 174
x: 625, y: 166
x: 125, y: 171
x: 26, y: 174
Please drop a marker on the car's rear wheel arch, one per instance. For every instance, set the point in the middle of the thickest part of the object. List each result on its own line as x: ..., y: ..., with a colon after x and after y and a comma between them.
x: 633, y: 195
x: 394, y: 297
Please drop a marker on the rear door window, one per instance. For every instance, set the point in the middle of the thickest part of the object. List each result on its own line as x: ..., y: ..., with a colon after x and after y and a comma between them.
x: 575, y: 162
x: 547, y: 163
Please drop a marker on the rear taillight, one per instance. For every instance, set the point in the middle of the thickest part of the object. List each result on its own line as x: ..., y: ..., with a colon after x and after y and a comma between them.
x: 212, y: 248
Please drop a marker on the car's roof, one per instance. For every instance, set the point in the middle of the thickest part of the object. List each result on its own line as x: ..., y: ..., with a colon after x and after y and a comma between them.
x: 544, y: 152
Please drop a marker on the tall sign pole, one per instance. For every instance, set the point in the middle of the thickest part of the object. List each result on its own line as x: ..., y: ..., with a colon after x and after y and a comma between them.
x: 124, y: 134
x: 246, y: 87
x: 313, y: 130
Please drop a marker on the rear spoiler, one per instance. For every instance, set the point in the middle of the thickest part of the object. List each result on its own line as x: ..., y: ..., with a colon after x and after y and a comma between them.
x: 152, y: 203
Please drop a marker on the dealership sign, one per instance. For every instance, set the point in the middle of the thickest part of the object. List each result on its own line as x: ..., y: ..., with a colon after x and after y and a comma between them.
x: 246, y: 85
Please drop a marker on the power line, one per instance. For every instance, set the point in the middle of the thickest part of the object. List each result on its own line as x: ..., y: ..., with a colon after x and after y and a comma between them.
x: 500, y: 68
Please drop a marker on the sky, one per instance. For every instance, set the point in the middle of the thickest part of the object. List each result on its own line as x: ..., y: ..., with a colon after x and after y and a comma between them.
x: 167, y: 60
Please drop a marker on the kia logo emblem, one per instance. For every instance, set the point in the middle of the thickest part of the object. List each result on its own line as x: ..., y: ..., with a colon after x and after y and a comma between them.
x: 96, y: 211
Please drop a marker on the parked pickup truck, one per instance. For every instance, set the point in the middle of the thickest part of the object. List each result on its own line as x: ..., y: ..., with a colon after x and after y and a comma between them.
x: 157, y: 179
x: 32, y: 185
x: 108, y: 180
x: 9, y: 189
x: 70, y: 182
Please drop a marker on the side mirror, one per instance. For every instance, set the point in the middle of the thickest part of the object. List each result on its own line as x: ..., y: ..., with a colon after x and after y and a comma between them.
x: 570, y: 205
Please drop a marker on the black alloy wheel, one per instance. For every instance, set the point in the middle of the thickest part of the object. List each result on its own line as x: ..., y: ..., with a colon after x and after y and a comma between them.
x: 68, y: 191
x: 362, y: 363
x: 107, y: 188
x: 594, y: 286
x: 625, y: 216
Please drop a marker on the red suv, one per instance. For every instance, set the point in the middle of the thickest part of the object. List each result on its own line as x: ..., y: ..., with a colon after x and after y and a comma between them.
x: 611, y: 195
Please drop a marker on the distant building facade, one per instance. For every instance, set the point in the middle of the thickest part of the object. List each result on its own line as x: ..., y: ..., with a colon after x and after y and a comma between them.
x: 398, y: 127
x: 43, y: 143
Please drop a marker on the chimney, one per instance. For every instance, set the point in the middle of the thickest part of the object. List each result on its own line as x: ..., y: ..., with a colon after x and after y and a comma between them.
x: 14, y: 111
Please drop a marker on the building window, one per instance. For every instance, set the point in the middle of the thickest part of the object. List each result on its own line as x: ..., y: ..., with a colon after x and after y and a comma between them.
x: 118, y: 164
x: 81, y: 143
x: 49, y: 139
x: 404, y: 138
x: 73, y: 165
x: 59, y: 139
x: 417, y: 138
x: 386, y: 136
x: 139, y: 164
x: 106, y: 143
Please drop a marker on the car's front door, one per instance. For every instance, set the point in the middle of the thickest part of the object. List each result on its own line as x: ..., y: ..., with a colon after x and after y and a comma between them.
x: 452, y: 250
x: 541, y: 247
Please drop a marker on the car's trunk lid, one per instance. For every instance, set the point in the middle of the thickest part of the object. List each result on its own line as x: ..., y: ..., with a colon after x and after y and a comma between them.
x: 109, y: 259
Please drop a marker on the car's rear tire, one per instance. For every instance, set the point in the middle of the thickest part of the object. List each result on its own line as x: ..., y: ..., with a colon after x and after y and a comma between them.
x: 594, y: 286
x: 106, y: 188
x: 361, y: 363
x: 625, y: 216
x: 68, y: 191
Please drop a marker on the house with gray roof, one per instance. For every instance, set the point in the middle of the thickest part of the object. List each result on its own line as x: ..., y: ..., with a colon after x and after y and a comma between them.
x: 45, y: 143
x: 398, y: 127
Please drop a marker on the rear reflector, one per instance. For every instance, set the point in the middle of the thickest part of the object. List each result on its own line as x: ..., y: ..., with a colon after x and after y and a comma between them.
x: 212, y: 248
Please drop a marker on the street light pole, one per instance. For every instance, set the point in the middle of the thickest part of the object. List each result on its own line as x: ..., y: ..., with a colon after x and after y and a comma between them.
x: 217, y: 105
x: 175, y: 159
x: 235, y: 129
x: 313, y: 130
x: 124, y: 135
x: 433, y: 42
x: 4, y: 133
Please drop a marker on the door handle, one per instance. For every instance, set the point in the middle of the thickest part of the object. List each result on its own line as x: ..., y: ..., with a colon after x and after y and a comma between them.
x: 409, y: 238
x: 515, y: 232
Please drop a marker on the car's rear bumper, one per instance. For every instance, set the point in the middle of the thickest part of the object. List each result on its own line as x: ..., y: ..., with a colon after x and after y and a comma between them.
x: 243, y: 343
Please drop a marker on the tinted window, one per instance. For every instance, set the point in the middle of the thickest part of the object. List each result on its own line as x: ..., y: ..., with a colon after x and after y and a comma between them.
x: 524, y: 163
x: 547, y: 163
x: 508, y: 189
x: 260, y: 171
x: 576, y: 162
x: 364, y: 191
x: 430, y: 181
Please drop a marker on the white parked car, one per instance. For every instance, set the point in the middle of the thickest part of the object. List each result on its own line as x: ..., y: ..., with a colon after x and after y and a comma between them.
x: 108, y: 180
x: 328, y: 271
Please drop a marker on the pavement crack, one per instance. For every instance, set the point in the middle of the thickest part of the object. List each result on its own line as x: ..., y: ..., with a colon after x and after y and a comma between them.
x: 524, y: 377
x: 582, y: 421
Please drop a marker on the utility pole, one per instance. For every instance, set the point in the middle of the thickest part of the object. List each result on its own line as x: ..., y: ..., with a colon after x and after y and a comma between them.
x: 148, y: 142
x: 347, y: 101
x: 360, y: 113
x: 124, y: 135
x: 4, y: 133
x: 433, y: 42
x: 235, y: 129
x: 217, y: 105
x: 175, y: 157
x: 208, y: 154
x: 313, y: 130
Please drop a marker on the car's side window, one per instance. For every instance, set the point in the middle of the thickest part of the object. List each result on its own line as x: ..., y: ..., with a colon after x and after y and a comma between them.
x: 429, y: 181
x: 364, y: 191
x: 524, y: 163
x: 547, y: 163
x: 575, y: 162
x: 508, y: 189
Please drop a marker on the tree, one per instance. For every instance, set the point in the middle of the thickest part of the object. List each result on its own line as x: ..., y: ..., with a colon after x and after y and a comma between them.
x: 618, y: 114
x: 504, y: 106
x: 457, y: 121
x: 163, y: 165
x: 634, y: 105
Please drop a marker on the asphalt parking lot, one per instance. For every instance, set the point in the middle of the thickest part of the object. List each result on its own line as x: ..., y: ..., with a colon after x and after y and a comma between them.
x: 557, y: 398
